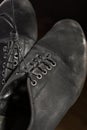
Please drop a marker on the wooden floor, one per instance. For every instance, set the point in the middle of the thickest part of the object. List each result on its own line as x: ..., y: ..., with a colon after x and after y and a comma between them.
x: 76, y: 118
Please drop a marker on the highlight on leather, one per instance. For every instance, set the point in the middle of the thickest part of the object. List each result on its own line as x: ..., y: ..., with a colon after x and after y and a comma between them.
x: 18, y: 33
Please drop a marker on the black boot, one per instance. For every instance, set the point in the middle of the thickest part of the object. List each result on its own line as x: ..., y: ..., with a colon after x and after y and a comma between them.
x: 55, y: 72
x: 18, y: 33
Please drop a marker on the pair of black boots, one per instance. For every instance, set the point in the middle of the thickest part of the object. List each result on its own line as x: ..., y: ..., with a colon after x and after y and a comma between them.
x: 40, y: 81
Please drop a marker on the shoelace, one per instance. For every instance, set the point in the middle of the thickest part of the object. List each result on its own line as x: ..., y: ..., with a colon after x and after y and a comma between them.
x: 12, y: 49
x: 13, y: 55
x: 47, y: 61
x: 29, y: 69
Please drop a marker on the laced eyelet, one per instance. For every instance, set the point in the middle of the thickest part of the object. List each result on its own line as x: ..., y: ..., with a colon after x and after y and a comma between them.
x: 34, y: 83
x: 39, y: 76
x: 49, y: 67
x: 15, y: 63
x: 48, y: 56
x: 12, y: 56
x: 44, y: 72
x: 36, y: 63
x: 16, y: 55
x: 53, y: 63
x: 3, y: 81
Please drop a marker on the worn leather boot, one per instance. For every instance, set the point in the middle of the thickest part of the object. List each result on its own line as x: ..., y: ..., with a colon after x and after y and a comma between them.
x: 18, y: 33
x: 55, y: 72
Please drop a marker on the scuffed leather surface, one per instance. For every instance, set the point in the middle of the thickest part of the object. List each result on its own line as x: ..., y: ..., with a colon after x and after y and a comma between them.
x: 64, y: 84
x: 56, y: 92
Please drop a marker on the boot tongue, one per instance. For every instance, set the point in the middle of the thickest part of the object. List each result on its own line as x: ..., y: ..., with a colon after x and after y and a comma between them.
x: 24, y: 15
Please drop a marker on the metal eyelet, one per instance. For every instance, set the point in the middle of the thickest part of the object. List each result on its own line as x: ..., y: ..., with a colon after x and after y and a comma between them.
x: 15, y: 63
x: 3, y: 81
x: 49, y: 67
x: 39, y: 76
x: 44, y: 72
x: 33, y: 82
x: 16, y: 55
x: 53, y: 63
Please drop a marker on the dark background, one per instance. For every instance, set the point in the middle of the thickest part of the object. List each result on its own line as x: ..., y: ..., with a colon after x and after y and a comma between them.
x: 48, y: 12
